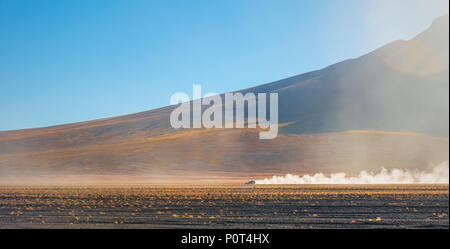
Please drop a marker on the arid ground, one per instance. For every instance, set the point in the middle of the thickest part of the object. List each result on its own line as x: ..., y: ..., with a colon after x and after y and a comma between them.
x: 288, y: 206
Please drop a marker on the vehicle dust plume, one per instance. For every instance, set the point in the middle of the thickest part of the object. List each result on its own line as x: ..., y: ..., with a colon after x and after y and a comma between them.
x: 437, y: 175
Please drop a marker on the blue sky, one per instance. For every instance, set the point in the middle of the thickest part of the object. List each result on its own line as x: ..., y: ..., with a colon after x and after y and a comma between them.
x: 71, y: 61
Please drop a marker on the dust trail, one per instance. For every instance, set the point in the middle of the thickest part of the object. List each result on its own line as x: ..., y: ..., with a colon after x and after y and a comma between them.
x: 438, y: 174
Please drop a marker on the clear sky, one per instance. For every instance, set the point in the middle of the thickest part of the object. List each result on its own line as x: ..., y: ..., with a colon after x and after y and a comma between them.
x: 75, y: 60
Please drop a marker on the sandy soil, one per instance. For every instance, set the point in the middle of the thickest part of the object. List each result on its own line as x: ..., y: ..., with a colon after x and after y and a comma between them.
x: 314, y: 206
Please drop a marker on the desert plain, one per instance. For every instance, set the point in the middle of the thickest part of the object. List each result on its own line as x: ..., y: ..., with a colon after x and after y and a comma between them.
x: 225, y: 206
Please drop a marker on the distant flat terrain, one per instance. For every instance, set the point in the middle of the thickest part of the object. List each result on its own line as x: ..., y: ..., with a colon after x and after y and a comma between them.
x: 289, y: 206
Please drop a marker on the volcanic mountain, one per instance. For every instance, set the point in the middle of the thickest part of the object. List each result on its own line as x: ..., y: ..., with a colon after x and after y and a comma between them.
x: 388, y: 108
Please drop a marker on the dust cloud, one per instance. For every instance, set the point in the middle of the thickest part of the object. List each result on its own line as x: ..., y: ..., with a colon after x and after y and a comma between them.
x: 439, y: 174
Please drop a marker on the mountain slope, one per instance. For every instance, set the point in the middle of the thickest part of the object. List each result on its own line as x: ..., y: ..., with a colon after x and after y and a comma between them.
x: 401, y: 87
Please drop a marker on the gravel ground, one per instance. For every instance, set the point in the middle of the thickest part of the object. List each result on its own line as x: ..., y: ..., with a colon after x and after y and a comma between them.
x: 287, y: 206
